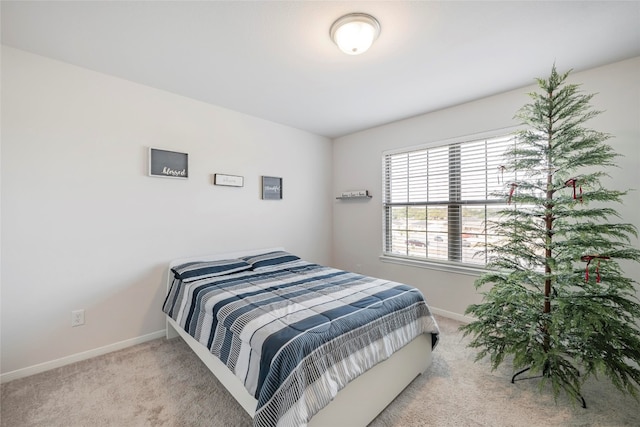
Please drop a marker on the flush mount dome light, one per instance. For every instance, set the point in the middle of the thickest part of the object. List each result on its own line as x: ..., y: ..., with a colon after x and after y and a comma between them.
x: 355, y: 33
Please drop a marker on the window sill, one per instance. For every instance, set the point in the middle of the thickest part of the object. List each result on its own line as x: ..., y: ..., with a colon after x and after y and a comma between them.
x: 467, y: 269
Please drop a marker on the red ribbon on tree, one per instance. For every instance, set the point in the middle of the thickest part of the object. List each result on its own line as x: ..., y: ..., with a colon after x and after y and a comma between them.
x: 588, y: 259
x: 513, y: 189
x: 573, y: 182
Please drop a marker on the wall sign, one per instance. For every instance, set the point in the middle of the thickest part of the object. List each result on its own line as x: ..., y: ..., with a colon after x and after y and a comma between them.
x: 168, y: 164
x: 271, y: 188
x: 228, y: 180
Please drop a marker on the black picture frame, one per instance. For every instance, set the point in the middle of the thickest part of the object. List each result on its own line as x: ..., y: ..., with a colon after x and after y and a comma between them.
x: 168, y: 164
x: 271, y: 188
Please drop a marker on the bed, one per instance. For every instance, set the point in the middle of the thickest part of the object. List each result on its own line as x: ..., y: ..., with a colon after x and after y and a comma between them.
x: 296, y: 343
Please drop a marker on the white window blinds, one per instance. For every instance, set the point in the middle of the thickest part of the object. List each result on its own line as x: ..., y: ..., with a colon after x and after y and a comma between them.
x: 437, y: 200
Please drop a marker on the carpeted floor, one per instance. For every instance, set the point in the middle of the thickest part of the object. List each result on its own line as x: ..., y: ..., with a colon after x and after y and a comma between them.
x: 162, y: 383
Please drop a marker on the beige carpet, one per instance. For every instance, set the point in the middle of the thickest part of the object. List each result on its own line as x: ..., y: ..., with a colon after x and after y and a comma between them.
x: 162, y: 383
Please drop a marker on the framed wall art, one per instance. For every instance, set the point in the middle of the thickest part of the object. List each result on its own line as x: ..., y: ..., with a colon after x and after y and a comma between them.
x: 168, y: 164
x: 228, y: 180
x: 271, y: 188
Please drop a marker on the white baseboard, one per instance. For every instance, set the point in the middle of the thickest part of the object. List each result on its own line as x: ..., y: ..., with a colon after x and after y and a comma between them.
x: 46, y: 366
x: 451, y: 315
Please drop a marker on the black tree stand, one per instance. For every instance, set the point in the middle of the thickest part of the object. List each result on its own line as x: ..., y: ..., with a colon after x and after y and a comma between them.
x: 513, y: 381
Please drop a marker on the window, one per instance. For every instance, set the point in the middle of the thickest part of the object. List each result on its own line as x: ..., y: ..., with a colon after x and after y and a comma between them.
x: 438, y: 200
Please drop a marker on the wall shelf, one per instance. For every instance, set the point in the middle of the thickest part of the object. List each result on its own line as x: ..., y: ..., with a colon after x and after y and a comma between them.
x: 354, y: 197
x: 357, y: 194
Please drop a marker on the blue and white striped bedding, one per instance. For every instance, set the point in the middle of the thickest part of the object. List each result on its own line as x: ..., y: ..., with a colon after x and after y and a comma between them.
x: 293, y: 332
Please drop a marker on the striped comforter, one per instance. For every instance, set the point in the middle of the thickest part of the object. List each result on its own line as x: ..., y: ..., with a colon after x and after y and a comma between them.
x: 293, y: 332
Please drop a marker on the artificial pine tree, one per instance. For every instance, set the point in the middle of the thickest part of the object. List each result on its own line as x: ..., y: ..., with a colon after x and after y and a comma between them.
x: 559, y: 303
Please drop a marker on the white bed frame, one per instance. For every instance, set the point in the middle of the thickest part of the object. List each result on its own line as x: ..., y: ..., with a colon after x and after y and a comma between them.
x: 373, y: 390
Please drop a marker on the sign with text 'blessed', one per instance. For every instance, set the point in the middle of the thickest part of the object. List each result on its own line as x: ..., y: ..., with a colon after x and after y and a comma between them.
x: 168, y: 164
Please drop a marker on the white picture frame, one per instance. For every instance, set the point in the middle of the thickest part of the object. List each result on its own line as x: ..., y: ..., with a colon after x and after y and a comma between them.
x: 228, y: 180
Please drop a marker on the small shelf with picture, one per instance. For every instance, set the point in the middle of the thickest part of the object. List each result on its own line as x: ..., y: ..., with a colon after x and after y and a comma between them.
x: 357, y: 194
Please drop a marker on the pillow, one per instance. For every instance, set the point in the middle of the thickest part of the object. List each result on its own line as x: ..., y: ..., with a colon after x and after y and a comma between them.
x: 269, y: 259
x: 192, y: 271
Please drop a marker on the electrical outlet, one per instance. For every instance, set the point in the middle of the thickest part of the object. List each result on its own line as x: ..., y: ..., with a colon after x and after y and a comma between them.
x: 77, y: 317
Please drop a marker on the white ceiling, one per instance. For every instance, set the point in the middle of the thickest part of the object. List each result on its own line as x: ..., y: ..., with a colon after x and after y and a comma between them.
x: 275, y: 60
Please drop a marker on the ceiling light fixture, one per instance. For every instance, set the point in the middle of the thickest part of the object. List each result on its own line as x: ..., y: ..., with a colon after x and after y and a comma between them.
x: 355, y: 33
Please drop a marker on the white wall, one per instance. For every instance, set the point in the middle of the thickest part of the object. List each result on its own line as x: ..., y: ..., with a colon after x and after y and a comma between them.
x: 357, y: 232
x: 83, y: 226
